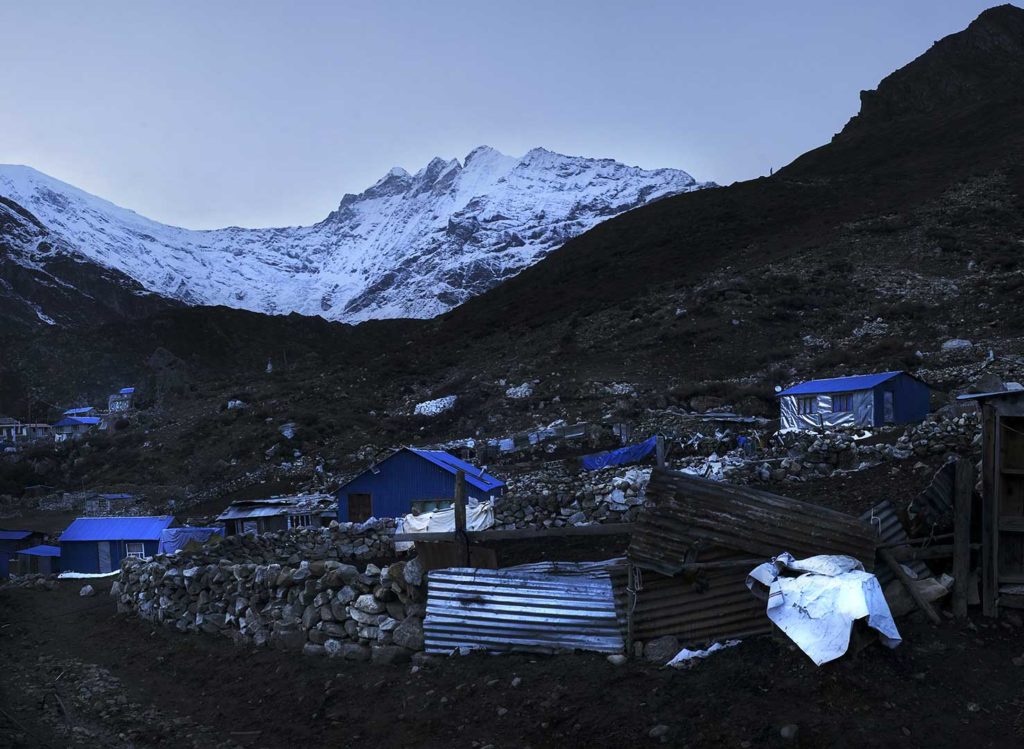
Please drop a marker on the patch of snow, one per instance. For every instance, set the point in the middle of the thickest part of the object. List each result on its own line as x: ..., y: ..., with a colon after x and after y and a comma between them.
x: 519, y: 392
x: 436, y: 406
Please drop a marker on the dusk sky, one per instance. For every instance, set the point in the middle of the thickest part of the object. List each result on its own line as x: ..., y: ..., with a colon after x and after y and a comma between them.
x: 265, y: 113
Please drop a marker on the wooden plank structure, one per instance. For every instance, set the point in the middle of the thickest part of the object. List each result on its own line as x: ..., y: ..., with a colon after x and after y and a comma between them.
x: 1002, y: 507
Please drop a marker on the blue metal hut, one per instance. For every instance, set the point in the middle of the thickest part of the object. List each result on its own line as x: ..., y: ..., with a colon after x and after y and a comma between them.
x: 870, y: 400
x: 99, y: 544
x: 411, y: 479
x: 12, y: 541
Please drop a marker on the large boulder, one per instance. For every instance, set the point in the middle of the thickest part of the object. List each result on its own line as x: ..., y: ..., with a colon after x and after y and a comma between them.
x: 662, y: 649
x: 389, y: 654
x: 409, y: 633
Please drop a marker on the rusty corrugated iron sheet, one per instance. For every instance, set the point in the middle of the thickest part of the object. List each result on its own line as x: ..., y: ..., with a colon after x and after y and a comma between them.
x: 699, y: 608
x: 932, y: 509
x: 889, y: 530
x: 685, y: 514
x: 540, y: 608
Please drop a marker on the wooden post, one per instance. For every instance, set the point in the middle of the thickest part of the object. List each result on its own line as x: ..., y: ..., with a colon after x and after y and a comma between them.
x: 989, y: 514
x: 460, y: 545
x: 904, y: 578
x: 659, y: 450
x: 460, y: 502
x: 963, y: 492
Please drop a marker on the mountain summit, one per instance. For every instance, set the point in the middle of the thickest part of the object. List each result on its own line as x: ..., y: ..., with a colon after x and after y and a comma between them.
x: 412, y: 245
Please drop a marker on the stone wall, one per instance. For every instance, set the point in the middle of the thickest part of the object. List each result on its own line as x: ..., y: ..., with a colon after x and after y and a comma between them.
x: 321, y: 607
x: 352, y: 542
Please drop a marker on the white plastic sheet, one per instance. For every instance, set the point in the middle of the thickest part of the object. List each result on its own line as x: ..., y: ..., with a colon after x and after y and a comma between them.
x: 479, y: 517
x: 817, y: 608
x: 685, y: 657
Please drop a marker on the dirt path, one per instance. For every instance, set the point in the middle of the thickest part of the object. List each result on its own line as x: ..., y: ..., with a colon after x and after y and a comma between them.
x: 126, y: 683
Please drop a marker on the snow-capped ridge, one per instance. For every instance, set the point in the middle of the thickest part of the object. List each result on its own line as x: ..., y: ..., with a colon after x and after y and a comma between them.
x: 412, y: 245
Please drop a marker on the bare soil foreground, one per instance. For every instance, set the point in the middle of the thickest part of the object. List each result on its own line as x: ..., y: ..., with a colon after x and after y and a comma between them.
x: 76, y: 674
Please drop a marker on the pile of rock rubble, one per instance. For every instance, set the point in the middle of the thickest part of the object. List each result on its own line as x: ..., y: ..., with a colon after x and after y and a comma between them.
x: 343, y: 541
x: 34, y: 581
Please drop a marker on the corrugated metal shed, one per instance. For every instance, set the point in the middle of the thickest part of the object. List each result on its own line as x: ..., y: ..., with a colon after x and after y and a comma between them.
x: 117, y: 529
x: 475, y: 476
x: 41, y: 551
x: 839, y: 384
x: 539, y: 608
x: 685, y: 514
x: 72, y: 421
x: 14, y: 535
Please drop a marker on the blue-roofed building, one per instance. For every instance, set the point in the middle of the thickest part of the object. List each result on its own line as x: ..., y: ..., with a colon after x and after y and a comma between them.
x: 40, y: 559
x: 411, y: 479
x: 99, y: 544
x: 870, y: 400
x: 121, y: 401
x: 72, y: 427
x: 12, y: 541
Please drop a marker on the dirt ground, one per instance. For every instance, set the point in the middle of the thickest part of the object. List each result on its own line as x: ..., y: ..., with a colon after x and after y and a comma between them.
x: 125, y: 683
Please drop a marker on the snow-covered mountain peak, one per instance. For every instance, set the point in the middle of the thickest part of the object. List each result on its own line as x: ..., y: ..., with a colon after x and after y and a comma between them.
x: 412, y: 245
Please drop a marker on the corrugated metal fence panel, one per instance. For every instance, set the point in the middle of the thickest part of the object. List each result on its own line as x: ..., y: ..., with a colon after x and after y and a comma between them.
x: 711, y: 606
x: 889, y: 530
x: 684, y: 511
x: 935, y: 504
x: 521, y: 610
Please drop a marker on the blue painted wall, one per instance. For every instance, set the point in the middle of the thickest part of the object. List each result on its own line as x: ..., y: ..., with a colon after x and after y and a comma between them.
x: 84, y: 556
x: 401, y: 480
x: 911, y: 399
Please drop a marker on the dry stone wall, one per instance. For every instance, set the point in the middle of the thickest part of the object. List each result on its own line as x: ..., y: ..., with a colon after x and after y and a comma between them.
x: 290, y: 591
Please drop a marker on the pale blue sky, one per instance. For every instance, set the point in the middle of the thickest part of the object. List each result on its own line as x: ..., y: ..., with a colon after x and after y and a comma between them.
x: 208, y: 114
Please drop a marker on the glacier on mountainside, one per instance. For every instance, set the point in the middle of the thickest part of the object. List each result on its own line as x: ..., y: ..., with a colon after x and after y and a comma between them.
x: 412, y: 245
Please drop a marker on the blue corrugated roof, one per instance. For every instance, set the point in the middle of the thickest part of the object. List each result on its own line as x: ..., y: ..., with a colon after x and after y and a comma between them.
x: 41, y: 551
x: 483, y: 481
x: 82, y: 410
x: 70, y: 421
x: 116, y: 529
x: 116, y: 496
x: 14, y: 535
x: 126, y: 391
x: 839, y: 384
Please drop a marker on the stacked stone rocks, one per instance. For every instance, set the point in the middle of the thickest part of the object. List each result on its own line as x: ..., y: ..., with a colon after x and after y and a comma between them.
x: 33, y: 580
x: 941, y: 434
x: 321, y: 607
x: 557, y: 498
x: 347, y: 541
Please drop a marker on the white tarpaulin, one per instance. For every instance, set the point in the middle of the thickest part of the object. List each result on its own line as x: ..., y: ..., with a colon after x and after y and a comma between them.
x: 479, y: 517
x: 816, y: 609
x: 686, y: 657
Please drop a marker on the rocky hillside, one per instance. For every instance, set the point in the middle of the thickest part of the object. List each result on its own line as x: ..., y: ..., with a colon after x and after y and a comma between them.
x: 866, y: 254
x: 413, y: 245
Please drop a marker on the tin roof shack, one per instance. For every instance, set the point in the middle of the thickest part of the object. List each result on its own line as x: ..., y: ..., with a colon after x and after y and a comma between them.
x: 277, y: 514
x: 44, y: 560
x: 1002, y: 504
x: 13, y: 432
x: 870, y: 400
x: 121, y: 401
x: 12, y: 541
x: 411, y: 480
x: 73, y: 427
x: 99, y: 544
